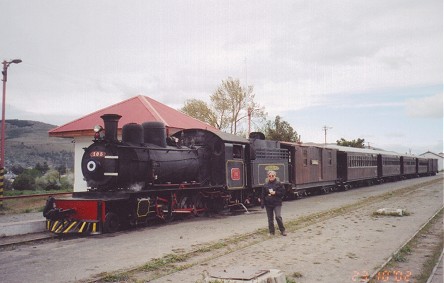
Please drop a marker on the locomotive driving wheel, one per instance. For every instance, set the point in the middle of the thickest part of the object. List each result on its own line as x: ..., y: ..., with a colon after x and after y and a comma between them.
x: 190, y: 204
x: 164, y: 209
x: 111, y: 223
x: 198, y: 204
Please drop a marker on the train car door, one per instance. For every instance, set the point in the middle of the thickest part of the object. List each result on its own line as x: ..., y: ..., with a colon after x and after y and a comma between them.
x: 321, y: 164
x: 235, y: 167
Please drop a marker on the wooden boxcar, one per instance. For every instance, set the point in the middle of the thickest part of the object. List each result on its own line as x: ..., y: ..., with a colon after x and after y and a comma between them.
x: 422, y: 166
x: 408, y: 166
x: 433, y: 166
x: 389, y: 166
x: 311, y: 167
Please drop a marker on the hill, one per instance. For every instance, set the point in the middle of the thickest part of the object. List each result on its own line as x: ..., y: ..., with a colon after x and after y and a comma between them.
x: 28, y: 143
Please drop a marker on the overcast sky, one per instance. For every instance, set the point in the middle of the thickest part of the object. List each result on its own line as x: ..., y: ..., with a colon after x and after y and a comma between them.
x: 367, y: 69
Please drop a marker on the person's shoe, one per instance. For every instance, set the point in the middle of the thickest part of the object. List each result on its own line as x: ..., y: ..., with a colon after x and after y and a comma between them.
x: 283, y: 233
x: 270, y: 234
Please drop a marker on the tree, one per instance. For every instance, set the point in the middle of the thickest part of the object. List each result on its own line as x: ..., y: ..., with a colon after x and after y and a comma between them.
x: 359, y: 143
x: 42, y: 168
x: 230, y: 106
x: 17, y: 169
x: 61, y: 169
x: 200, y: 110
x: 280, y: 130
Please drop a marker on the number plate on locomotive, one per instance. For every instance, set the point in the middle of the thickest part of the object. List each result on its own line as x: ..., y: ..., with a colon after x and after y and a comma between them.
x: 97, y: 154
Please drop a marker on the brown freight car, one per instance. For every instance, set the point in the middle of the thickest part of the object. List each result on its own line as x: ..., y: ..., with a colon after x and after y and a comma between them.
x: 408, y: 166
x: 312, y: 168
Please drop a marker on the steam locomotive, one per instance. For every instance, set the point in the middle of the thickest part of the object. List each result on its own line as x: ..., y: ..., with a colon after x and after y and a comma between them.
x: 147, y: 175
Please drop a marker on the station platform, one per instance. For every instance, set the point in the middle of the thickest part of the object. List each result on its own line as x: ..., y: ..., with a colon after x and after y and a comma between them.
x: 21, y: 224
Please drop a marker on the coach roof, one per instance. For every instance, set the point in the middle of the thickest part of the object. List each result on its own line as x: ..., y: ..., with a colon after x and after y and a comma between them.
x: 362, y: 150
x: 226, y: 137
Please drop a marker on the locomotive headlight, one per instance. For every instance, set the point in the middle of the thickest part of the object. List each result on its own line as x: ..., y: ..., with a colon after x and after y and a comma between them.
x: 97, y: 128
x: 91, y: 166
x: 98, y: 132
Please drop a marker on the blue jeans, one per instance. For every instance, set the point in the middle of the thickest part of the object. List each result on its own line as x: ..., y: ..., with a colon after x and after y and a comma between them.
x: 271, y: 212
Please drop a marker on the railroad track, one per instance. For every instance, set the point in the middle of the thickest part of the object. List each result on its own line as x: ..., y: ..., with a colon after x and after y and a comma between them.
x: 24, y: 239
x: 32, y: 196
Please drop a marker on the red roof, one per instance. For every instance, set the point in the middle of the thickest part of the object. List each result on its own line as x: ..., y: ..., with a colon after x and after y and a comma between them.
x: 138, y: 109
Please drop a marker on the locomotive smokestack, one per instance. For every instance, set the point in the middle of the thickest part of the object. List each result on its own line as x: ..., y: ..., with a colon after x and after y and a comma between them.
x: 111, y: 121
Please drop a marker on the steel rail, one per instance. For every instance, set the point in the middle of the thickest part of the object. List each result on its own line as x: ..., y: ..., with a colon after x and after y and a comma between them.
x: 33, y: 196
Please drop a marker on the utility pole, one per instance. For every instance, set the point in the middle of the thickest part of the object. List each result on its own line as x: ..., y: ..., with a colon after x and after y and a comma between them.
x: 249, y: 108
x: 325, y: 129
x: 3, y: 126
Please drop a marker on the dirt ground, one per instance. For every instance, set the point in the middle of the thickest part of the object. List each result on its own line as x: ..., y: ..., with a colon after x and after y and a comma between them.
x: 414, y: 261
x: 331, y: 238
x: 344, y: 248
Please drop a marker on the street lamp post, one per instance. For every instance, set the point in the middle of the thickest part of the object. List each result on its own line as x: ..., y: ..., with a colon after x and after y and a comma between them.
x: 3, y: 138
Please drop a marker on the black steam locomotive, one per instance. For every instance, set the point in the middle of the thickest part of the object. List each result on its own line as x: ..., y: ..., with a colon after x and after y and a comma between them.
x: 148, y: 175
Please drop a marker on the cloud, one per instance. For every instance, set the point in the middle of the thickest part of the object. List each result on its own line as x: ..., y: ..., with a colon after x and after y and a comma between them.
x: 426, y: 107
x: 368, y: 59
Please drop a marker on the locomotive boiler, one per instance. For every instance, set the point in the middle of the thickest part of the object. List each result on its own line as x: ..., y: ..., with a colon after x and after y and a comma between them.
x: 140, y: 161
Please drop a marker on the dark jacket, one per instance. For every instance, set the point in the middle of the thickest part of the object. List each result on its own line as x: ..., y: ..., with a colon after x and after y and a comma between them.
x: 272, y: 200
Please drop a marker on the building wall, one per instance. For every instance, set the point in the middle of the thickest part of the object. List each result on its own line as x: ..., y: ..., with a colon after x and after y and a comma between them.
x: 80, y: 143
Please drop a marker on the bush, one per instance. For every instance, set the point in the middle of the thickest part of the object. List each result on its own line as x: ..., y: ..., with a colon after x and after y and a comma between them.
x: 67, y: 182
x: 49, y: 181
x: 32, y: 179
x: 24, y: 182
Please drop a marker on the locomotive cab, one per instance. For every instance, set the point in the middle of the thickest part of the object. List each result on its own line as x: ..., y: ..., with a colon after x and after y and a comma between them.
x: 222, y: 157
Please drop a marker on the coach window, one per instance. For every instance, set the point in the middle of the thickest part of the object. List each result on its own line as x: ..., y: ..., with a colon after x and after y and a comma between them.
x: 237, y: 151
x: 305, y: 154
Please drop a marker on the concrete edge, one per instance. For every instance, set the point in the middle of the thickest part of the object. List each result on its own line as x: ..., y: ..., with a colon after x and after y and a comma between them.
x: 22, y: 227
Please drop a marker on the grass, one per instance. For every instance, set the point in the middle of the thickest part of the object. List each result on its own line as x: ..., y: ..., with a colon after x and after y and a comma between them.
x: 116, y: 278
x: 166, y: 261
x: 403, y: 254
